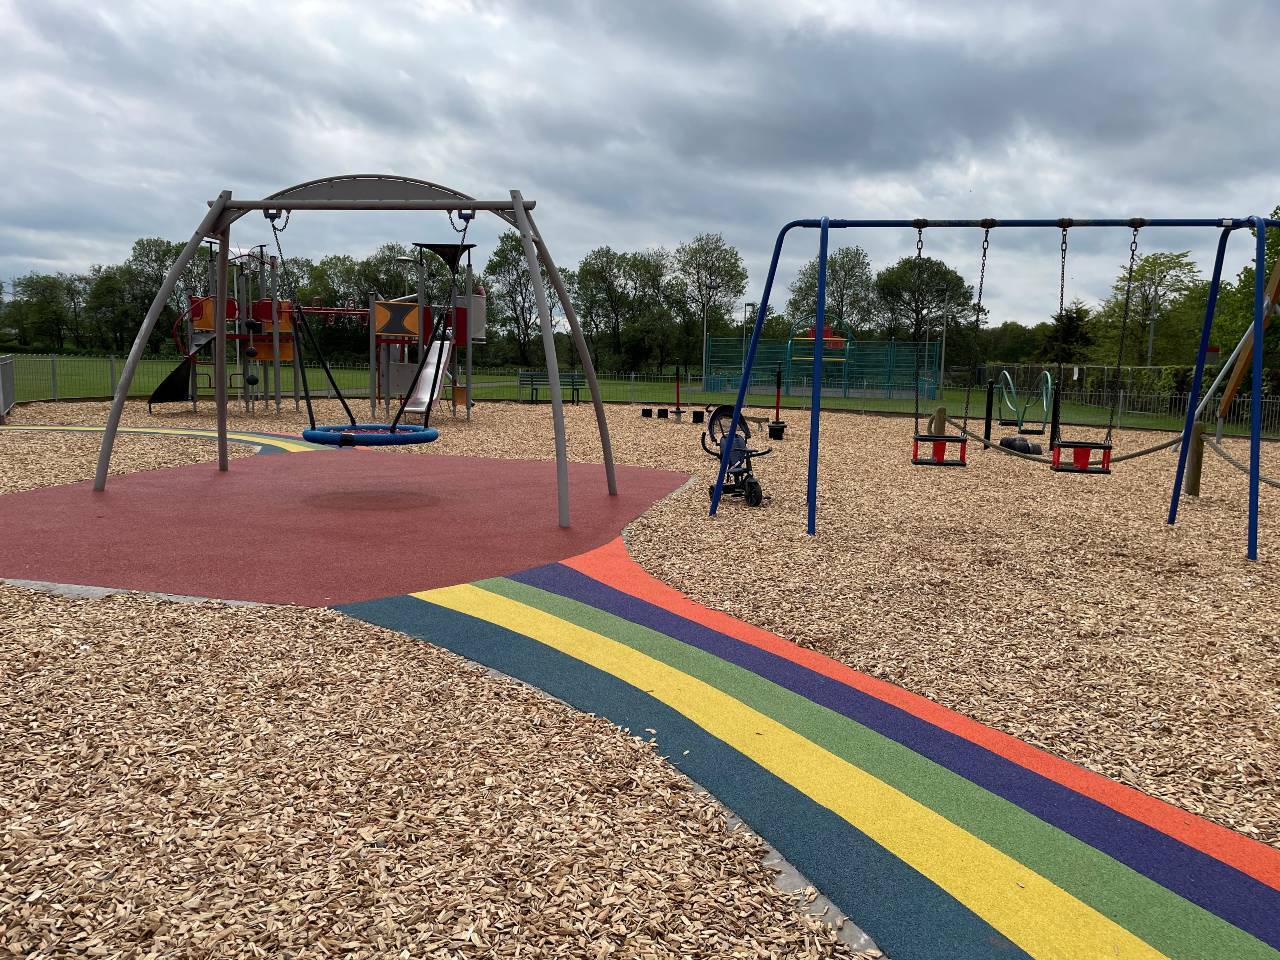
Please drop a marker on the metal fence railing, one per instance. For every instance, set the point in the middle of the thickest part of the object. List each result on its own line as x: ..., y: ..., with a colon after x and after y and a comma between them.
x: 25, y: 378
x: 54, y: 377
x: 8, y: 396
x: 1164, y: 410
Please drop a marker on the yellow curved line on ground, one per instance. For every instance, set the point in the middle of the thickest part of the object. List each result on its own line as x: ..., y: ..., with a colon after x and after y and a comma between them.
x: 1034, y: 913
x: 258, y: 439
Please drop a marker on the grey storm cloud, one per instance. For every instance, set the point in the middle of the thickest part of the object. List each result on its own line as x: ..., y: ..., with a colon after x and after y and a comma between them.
x: 639, y: 124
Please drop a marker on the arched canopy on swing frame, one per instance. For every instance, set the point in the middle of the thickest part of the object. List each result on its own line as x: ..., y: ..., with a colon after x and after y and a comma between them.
x: 381, y: 192
x: 1227, y: 226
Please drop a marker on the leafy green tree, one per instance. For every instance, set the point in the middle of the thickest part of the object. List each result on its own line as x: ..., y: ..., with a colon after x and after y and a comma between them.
x: 79, y: 329
x: 660, y: 312
x: 777, y: 326
x: 1234, y: 312
x: 916, y: 296
x: 47, y: 307
x: 633, y: 308
x: 713, y: 279
x: 1157, y: 323
x: 387, y: 272
x: 603, y: 298
x: 850, y: 308
x: 332, y: 281
x: 1067, y: 339
x: 513, y: 309
x: 113, y: 306
x: 17, y: 324
x: 384, y: 274
x: 1009, y: 343
x: 650, y: 340
x: 149, y: 261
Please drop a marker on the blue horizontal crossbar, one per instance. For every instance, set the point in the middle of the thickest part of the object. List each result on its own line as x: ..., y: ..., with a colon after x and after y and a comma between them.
x: 1232, y: 222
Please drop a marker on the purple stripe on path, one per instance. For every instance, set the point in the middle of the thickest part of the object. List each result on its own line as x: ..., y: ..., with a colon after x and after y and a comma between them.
x: 1219, y: 888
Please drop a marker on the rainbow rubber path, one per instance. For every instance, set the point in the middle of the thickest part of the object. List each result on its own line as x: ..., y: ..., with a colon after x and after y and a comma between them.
x: 938, y: 836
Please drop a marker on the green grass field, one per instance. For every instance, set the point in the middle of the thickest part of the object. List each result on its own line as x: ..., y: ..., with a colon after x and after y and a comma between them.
x: 67, y: 378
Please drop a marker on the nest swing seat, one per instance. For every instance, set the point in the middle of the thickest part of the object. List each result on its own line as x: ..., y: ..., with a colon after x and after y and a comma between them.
x: 370, y: 435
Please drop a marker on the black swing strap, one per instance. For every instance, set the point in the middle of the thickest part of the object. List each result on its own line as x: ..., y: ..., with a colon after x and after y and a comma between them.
x: 1137, y: 225
x: 977, y: 304
x: 301, y: 322
x: 431, y: 344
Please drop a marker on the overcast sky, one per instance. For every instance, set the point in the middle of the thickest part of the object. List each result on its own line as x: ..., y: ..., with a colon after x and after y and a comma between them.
x: 642, y: 123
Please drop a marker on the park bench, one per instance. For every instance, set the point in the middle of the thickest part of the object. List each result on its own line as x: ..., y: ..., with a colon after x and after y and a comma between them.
x: 572, y: 381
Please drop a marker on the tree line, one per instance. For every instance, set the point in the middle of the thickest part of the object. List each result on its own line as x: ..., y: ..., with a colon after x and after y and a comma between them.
x: 650, y: 309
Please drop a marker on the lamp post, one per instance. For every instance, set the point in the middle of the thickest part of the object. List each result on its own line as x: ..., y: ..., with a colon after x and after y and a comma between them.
x: 410, y: 261
x: 261, y: 258
x: 942, y: 355
x: 421, y: 265
x: 1151, y: 336
x: 704, y: 348
x: 748, y: 309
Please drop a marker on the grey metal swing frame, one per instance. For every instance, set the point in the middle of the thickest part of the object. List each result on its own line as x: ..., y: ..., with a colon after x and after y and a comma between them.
x: 371, y: 192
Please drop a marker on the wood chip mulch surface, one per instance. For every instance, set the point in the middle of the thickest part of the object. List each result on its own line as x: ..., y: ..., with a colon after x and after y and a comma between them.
x: 1060, y: 609
x: 31, y: 460
x: 193, y: 780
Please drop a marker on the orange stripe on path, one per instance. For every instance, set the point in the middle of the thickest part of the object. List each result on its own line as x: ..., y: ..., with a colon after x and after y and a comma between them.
x: 613, y: 566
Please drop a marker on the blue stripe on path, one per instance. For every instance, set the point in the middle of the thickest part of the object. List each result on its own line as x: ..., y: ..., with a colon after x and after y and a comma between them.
x: 908, y: 915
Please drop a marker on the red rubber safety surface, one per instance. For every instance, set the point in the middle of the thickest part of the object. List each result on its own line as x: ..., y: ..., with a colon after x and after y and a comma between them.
x: 317, y: 529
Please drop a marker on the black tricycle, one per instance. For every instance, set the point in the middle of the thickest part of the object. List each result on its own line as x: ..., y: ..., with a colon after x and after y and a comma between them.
x: 740, y: 480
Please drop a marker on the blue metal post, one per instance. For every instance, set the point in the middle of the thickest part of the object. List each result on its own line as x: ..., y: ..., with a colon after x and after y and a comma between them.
x: 819, y: 345
x: 1198, y: 378
x: 727, y: 447
x: 1255, y: 399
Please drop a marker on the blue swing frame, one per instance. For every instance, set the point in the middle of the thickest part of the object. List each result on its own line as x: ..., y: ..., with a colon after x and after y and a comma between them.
x: 1226, y: 225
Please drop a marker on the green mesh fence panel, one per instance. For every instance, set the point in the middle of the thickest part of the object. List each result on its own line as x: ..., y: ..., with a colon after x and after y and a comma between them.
x: 853, y: 368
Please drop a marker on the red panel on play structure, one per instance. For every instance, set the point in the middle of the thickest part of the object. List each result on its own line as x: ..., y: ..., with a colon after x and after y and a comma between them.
x: 202, y: 311
x: 828, y: 342
x: 260, y: 310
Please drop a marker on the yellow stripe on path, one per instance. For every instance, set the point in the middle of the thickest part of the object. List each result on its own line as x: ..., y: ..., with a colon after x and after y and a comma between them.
x: 1037, y: 915
x: 284, y: 443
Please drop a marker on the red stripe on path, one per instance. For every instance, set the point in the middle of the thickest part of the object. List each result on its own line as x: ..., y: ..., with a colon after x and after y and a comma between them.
x: 612, y: 565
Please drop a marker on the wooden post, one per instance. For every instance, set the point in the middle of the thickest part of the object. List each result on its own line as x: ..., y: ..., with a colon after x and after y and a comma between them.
x: 938, y: 422
x: 1195, y: 460
x: 986, y: 423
